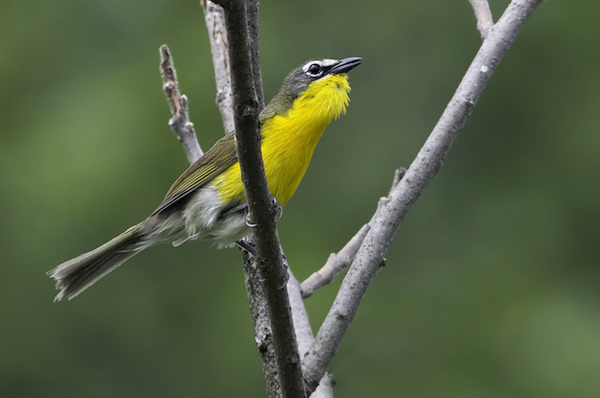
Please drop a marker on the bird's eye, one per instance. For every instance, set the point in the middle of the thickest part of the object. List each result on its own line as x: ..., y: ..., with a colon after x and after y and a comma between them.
x: 314, y: 69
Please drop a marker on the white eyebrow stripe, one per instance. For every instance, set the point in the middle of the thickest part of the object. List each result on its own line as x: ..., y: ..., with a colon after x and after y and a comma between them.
x: 324, y: 62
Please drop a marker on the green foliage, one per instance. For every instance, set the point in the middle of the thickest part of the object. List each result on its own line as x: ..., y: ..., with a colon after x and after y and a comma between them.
x: 491, y: 287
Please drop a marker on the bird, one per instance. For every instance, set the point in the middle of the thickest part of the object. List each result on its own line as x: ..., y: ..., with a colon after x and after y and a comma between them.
x: 208, y: 200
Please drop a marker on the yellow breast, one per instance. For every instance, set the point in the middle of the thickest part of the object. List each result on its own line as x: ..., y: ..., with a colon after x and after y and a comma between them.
x: 289, y: 140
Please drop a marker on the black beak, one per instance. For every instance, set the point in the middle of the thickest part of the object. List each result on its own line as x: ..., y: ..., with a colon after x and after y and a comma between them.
x: 345, y: 65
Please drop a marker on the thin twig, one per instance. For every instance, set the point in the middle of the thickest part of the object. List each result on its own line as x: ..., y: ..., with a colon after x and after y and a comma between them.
x: 178, y: 103
x: 335, y: 264
x: 426, y: 165
x: 398, y: 175
x: 219, y: 47
x: 483, y: 14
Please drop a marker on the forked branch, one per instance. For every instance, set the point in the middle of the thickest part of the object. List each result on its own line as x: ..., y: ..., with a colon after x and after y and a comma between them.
x: 426, y: 165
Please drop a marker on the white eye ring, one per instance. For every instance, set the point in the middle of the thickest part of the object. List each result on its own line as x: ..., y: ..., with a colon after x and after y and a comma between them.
x: 314, y: 69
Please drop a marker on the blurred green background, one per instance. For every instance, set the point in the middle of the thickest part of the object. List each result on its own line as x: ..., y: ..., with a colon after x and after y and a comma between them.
x: 491, y: 287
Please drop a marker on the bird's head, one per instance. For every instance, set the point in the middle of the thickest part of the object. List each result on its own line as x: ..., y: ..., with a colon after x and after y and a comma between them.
x: 322, y: 83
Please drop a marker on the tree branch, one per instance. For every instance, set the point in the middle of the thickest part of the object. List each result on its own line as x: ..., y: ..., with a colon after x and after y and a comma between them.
x: 215, y: 21
x: 304, y: 334
x: 427, y: 163
x: 483, y: 14
x: 252, y: 20
x: 335, y: 264
x: 178, y: 103
x: 244, y: 71
x: 219, y: 47
x: 263, y: 334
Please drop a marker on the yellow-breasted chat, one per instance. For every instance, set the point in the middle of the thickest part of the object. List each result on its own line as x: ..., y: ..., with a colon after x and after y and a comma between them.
x: 208, y: 201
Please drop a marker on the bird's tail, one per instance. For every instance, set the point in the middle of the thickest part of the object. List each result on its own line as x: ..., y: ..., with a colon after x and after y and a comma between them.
x: 74, y: 276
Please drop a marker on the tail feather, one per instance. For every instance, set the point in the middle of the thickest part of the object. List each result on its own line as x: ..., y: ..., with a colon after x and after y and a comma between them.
x: 74, y: 276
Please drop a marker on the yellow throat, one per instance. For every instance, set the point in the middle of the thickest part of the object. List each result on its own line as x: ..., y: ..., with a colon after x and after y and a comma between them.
x: 289, y: 139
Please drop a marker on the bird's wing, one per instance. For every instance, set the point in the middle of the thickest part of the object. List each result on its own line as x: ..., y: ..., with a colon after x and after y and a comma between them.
x: 217, y: 159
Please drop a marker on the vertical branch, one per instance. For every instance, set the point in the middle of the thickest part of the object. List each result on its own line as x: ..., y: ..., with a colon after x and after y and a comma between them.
x: 215, y: 22
x: 426, y: 165
x: 245, y: 70
x: 252, y: 12
x: 263, y: 335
